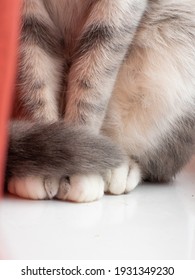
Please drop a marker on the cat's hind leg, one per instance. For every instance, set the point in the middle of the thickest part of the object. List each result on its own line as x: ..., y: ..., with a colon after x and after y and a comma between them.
x: 151, y: 113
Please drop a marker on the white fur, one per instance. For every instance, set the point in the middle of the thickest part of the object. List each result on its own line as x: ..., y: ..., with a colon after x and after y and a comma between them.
x: 81, y: 188
x: 133, y: 179
x: 154, y: 87
x: 123, y: 179
x: 85, y: 188
x: 29, y: 187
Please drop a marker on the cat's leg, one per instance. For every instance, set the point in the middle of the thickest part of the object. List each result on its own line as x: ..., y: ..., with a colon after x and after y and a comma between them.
x: 41, y: 158
x: 151, y: 113
x: 101, y: 47
x: 172, y: 151
x: 40, y: 65
x: 172, y: 89
x: 38, y: 84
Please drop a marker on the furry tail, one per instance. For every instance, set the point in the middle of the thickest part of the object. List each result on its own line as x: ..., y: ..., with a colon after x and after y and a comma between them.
x: 58, y: 150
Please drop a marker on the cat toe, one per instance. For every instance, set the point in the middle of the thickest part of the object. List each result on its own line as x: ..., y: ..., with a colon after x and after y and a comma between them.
x: 27, y: 187
x: 85, y: 188
x: 123, y: 179
x: 133, y: 178
x: 116, y: 183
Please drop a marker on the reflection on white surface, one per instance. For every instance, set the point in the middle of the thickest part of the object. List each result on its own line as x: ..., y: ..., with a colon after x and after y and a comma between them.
x: 153, y: 222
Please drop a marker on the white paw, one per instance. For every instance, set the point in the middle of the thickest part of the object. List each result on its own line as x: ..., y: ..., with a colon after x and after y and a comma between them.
x: 33, y: 187
x: 123, y: 179
x: 85, y: 188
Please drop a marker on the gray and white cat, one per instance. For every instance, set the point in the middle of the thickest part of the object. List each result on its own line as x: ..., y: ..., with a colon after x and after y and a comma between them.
x: 121, y: 69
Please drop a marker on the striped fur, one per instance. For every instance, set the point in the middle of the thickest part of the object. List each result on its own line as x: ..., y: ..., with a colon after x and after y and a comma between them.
x: 121, y: 68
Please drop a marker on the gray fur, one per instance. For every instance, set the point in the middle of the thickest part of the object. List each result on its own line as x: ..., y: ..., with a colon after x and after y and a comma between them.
x: 124, y: 61
x: 176, y: 146
x: 93, y: 36
x: 58, y: 150
x: 40, y: 33
x: 151, y: 113
x: 172, y: 153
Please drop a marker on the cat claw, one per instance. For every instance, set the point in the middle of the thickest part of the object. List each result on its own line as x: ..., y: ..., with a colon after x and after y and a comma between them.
x: 51, y: 186
x: 64, y: 188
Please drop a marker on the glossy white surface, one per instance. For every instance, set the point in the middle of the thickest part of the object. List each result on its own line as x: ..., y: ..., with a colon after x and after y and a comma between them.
x: 153, y: 222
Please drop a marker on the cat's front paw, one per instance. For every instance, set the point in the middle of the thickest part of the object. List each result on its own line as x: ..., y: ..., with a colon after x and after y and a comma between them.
x: 83, y: 188
x: 123, y: 179
x: 33, y: 187
x: 77, y: 188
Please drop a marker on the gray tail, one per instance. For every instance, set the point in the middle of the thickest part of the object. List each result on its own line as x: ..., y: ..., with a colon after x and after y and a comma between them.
x: 58, y: 150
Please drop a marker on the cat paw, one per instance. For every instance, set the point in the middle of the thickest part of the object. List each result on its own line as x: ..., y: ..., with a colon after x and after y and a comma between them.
x: 79, y: 188
x: 33, y: 187
x: 83, y: 188
x: 123, y: 179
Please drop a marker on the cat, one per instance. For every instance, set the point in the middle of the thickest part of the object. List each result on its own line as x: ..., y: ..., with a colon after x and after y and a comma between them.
x: 95, y: 70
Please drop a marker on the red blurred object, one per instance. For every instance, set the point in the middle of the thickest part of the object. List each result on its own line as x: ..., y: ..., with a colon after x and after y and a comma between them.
x: 9, y: 27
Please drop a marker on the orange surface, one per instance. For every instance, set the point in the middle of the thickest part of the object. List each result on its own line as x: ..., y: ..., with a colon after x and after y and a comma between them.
x: 9, y: 19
